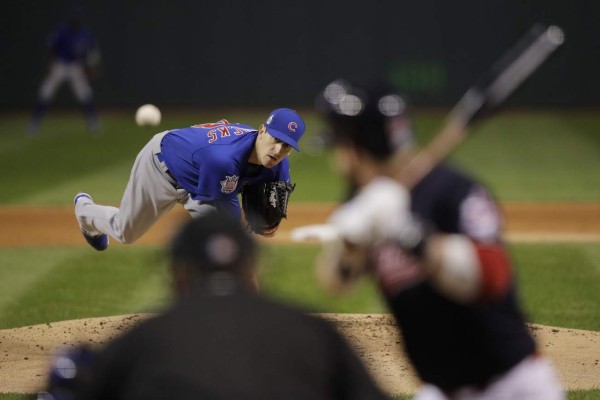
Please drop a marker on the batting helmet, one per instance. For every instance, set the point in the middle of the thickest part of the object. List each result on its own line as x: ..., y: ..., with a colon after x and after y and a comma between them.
x: 372, y: 117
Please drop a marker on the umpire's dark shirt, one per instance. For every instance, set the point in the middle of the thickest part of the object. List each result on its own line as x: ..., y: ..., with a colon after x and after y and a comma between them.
x: 236, y: 347
x: 452, y: 344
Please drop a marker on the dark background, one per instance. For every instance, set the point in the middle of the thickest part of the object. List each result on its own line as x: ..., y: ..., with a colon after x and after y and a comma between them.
x: 274, y: 53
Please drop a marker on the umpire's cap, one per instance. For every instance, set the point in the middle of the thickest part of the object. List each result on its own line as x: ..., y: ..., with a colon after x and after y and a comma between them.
x: 213, y: 242
x: 373, y: 117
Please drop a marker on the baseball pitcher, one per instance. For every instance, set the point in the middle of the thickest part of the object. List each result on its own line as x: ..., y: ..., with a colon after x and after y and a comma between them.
x: 203, y: 167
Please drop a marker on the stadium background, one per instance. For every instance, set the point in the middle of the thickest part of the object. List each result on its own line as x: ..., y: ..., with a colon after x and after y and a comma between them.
x: 201, y: 61
x: 243, y: 53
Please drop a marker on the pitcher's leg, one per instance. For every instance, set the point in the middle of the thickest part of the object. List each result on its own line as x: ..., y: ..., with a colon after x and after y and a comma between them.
x: 97, y: 240
x: 146, y: 198
x: 89, y: 214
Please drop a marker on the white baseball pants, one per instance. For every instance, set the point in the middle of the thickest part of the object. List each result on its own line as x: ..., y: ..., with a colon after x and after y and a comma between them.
x: 60, y: 72
x: 532, y: 379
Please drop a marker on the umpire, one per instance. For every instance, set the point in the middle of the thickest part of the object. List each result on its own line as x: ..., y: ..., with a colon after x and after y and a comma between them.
x: 437, y: 254
x: 221, y: 340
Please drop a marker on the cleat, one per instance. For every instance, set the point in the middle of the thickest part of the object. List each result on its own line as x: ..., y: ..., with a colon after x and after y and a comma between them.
x: 98, y: 242
x: 80, y: 196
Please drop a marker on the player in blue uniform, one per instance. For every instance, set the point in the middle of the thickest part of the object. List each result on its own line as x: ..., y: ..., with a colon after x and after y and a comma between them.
x: 202, y: 167
x: 74, y: 57
x: 437, y: 254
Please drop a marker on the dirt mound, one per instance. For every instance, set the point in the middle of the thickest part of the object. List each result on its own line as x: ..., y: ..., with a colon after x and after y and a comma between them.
x: 25, y: 352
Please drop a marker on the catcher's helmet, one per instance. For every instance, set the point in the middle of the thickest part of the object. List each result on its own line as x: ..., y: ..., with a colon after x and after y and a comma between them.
x: 372, y: 117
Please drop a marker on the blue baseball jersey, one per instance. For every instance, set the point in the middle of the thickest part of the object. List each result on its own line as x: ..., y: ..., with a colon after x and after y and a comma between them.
x: 72, y: 45
x: 211, y: 162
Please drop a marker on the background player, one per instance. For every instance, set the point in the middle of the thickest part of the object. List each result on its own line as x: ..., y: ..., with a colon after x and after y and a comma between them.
x: 437, y: 255
x: 203, y: 167
x: 74, y: 56
x: 220, y: 340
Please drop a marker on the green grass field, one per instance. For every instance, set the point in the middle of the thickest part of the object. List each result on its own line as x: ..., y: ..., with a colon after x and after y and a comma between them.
x: 76, y: 283
x: 543, y: 156
x: 523, y: 157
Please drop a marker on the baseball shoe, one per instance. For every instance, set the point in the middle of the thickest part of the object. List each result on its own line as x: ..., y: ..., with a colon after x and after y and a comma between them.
x: 98, y: 242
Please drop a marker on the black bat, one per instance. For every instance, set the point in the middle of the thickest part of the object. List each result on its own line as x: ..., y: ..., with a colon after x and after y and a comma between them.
x: 484, y: 97
x: 344, y: 263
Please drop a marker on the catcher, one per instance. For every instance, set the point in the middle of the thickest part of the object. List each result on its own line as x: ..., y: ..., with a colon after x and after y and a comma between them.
x: 203, y: 167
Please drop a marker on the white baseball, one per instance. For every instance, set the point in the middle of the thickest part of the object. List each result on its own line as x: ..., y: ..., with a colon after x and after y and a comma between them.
x: 147, y: 115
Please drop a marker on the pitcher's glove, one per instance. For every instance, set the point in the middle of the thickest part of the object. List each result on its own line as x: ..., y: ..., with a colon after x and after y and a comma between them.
x: 265, y: 204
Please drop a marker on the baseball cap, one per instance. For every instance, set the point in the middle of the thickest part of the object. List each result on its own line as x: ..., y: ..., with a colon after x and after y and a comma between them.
x: 286, y: 125
x: 213, y: 242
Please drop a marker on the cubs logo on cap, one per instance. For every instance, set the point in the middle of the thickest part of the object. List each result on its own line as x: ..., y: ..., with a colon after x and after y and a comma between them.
x: 286, y: 125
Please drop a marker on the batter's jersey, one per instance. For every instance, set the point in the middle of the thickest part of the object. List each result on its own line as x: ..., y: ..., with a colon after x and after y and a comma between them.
x: 452, y: 344
x: 211, y: 162
x: 237, y: 346
x: 72, y: 45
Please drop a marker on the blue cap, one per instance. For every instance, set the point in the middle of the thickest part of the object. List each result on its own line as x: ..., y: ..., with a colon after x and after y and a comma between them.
x: 286, y: 125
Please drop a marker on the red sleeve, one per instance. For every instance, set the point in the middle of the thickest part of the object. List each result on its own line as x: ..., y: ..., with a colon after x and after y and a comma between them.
x: 481, y: 220
x: 495, y: 270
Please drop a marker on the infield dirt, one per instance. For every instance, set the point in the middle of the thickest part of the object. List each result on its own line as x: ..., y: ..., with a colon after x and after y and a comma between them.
x: 56, y: 226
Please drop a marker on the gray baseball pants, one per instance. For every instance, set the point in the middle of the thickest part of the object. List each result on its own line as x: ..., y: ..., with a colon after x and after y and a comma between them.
x: 150, y: 193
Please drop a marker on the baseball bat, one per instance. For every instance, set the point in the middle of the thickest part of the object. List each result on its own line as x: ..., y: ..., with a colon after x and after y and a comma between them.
x: 484, y: 97
x: 479, y: 101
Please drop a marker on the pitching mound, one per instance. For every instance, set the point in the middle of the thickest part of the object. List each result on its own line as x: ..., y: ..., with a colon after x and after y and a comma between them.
x: 25, y: 352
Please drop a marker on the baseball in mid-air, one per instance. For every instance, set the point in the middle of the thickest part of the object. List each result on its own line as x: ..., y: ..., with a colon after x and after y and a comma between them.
x: 147, y: 115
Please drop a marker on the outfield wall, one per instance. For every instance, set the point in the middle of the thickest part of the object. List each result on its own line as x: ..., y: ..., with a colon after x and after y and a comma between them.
x: 266, y: 52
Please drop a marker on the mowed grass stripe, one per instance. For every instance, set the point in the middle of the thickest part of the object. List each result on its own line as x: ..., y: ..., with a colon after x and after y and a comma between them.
x: 527, y: 157
x: 64, y: 150
x: 98, y: 183
x: 287, y: 273
x: 85, y: 285
x: 21, y: 269
x: 559, y: 283
x: 542, y: 156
